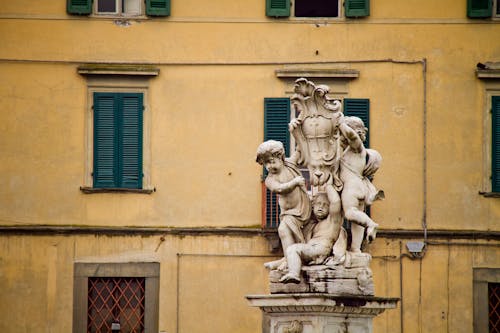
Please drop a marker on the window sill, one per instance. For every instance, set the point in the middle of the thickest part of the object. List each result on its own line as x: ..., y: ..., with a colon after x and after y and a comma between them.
x: 490, y: 194
x: 92, y: 190
x: 119, y: 16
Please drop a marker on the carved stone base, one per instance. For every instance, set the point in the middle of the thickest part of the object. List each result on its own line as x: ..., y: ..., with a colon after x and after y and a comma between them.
x: 352, y: 278
x: 319, y: 313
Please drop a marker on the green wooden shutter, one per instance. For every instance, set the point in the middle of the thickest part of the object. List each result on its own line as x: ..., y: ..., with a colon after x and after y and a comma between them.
x: 105, y: 140
x: 278, y: 8
x: 479, y: 8
x: 276, y: 119
x: 79, y: 7
x: 357, y: 8
x: 359, y: 107
x: 131, y: 141
x: 118, y: 123
x: 495, y: 144
x: 158, y: 7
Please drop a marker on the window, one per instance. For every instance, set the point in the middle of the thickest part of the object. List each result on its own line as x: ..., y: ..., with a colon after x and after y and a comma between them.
x: 495, y: 144
x: 116, y: 303
x: 489, y: 74
x: 119, y: 296
x: 118, y: 124
x: 494, y: 307
x: 125, y: 7
x: 491, y: 144
x: 318, y: 8
x: 483, y: 8
x: 486, y: 293
x: 276, y: 118
x: 359, y: 107
x: 119, y: 7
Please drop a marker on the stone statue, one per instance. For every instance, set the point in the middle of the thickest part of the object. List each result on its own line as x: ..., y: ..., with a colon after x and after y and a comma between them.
x: 322, y: 283
x: 358, y: 191
x: 314, y: 245
x: 285, y: 179
x: 320, y: 235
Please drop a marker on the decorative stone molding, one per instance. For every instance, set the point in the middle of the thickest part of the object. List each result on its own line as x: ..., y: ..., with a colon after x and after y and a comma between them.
x: 118, y: 69
x: 324, y: 303
x: 317, y: 313
x: 318, y: 73
x: 488, y: 73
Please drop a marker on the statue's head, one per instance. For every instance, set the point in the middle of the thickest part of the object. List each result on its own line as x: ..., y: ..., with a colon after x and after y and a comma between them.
x: 357, y: 125
x: 271, y: 154
x: 320, y: 205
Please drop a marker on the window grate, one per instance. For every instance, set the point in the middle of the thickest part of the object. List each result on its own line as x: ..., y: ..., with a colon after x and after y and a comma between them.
x: 115, y: 300
x: 494, y: 307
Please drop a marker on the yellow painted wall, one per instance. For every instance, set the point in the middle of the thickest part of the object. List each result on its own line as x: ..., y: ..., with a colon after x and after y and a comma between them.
x: 217, y: 63
x: 204, y: 280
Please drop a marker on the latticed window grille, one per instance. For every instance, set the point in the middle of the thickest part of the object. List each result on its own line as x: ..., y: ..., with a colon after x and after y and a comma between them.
x: 494, y: 307
x: 119, y: 301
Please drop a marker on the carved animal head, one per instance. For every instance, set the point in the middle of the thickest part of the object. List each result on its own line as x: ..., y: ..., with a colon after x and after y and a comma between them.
x: 319, y: 172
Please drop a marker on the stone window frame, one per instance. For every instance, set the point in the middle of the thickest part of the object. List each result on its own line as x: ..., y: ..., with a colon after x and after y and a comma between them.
x: 117, y: 79
x: 491, y: 81
x: 148, y: 270
x: 481, y: 277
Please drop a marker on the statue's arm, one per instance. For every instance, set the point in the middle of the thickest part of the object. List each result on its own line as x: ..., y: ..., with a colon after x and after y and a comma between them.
x: 352, y: 137
x: 295, y: 157
x: 283, y: 188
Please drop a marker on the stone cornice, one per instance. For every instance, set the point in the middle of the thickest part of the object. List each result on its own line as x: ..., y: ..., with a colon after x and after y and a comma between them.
x: 322, y: 303
x: 488, y: 73
x: 318, y: 73
x: 118, y: 69
x: 227, y: 231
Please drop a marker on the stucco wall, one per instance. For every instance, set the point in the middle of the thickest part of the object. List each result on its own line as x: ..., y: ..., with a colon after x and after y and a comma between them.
x: 217, y: 62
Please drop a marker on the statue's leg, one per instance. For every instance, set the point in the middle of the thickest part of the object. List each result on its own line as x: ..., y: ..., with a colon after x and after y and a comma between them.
x: 362, y: 219
x: 296, y: 254
x: 335, y: 209
x: 357, y: 233
x: 289, y: 233
x: 294, y: 262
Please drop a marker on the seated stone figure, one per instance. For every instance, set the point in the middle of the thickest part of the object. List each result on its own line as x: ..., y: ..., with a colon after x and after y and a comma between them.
x: 285, y: 179
x: 320, y: 235
x: 356, y: 165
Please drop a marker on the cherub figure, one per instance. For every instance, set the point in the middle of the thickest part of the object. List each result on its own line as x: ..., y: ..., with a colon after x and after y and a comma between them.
x: 321, y: 233
x: 357, y: 164
x: 285, y: 179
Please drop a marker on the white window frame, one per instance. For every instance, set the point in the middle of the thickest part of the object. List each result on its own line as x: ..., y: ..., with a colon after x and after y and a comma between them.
x: 118, y: 85
x: 119, y: 10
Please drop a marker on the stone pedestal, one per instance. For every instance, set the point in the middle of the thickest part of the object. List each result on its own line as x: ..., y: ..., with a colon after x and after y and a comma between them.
x: 319, y: 313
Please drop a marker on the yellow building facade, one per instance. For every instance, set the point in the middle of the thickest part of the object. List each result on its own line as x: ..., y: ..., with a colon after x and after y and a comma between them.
x: 202, y: 71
